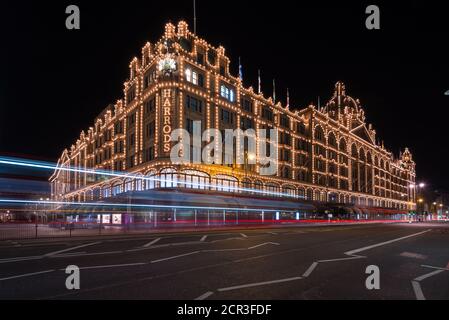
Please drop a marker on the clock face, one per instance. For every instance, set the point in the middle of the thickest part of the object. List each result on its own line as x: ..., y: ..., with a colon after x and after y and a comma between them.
x: 167, y: 65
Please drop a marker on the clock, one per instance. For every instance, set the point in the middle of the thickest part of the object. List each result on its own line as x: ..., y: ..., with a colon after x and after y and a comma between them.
x: 167, y: 66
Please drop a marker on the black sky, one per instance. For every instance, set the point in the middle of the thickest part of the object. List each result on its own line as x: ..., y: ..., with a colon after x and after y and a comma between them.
x: 54, y: 81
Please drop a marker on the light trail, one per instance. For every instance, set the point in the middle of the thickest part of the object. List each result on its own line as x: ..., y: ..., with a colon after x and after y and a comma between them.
x: 49, y: 166
x: 125, y: 205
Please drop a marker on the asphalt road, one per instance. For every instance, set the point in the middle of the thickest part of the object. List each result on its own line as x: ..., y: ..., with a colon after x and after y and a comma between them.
x: 322, y: 262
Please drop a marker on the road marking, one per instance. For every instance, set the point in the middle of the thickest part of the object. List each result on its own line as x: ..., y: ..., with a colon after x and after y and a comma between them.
x: 70, y: 249
x: 204, y: 296
x: 432, y: 267
x: 341, y: 259
x: 259, y: 284
x: 151, y: 243
x: 413, y: 255
x: 417, y: 286
x: 18, y: 259
x: 263, y: 244
x: 418, y: 291
x: 310, y: 269
x: 428, y: 275
x: 203, y: 238
x: 113, y: 266
x: 352, y: 252
x: 26, y: 275
x: 80, y: 254
x: 174, y: 257
x: 244, y: 235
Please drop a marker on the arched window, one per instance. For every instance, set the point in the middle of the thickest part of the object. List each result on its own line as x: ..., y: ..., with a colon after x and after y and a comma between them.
x: 168, y: 178
x: 150, y: 180
x: 332, y: 141
x: 192, y: 179
x: 319, y: 134
x: 354, y: 152
x: 362, y: 154
x: 106, y: 192
x: 116, y: 188
x: 129, y: 185
x: 224, y: 183
x: 343, y: 145
x: 289, y: 190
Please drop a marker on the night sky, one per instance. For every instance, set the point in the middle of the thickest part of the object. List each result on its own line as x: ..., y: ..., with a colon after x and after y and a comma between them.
x: 55, y: 81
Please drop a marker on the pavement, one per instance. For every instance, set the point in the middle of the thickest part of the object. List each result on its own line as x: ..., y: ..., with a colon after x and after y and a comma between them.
x: 314, y: 262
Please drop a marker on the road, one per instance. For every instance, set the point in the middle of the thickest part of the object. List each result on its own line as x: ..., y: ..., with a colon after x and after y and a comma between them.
x: 320, y: 262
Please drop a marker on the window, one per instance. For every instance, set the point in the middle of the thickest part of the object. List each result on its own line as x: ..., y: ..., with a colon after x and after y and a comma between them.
x: 246, y: 123
x: 247, y: 105
x: 189, y: 126
x: 149, y: 154
x: 227, y: 93
x: 149, y: 78
x: 131, y: 162
x: 319, y: 134
x: 284, y: 121
x: 118, y: 127
x: 132, y: 120
x: 267, y: 114
x: 211, y: 56
x: 227, y: 116
x: 149, y: 129
x: 200, y: 58
x: 301, y: 128
x: 194, y: 104
x: 150, y: 106
x: 131, y: 141
x: 131, y: 94
x: 194, y: 77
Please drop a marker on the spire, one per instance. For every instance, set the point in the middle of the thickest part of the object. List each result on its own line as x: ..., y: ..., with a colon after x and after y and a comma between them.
x: 274, y: 90
x: 288, y: 99
x: 259, y: 91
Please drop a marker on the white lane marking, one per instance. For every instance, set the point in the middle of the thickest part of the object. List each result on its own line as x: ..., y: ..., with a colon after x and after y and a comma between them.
x: 18, y: 259
x: 244, y: 235
x: 418, y: 291
x: 310, y: 269
x: 26, y: 275
x: 352, y: 252
x: 203, y: 238
x: 263, y: 244
x: 70, y: 249
x: 151, y: 243
x: 175, y: 257
x: 428, y: 275
x: 417, y: 286
x: 69, y: 255
x: 227, y: 239
x: 341, y: 259
x: 204, y: 296
x: 413, y: 255
x: 113, y: 266
x: 259, y: 284
x: 432, y: 267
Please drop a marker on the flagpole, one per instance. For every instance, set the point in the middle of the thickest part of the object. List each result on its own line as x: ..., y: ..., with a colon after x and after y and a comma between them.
x: 194, y: 16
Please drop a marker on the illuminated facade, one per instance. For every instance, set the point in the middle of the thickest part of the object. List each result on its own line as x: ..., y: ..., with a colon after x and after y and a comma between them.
x: 326, y: 154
